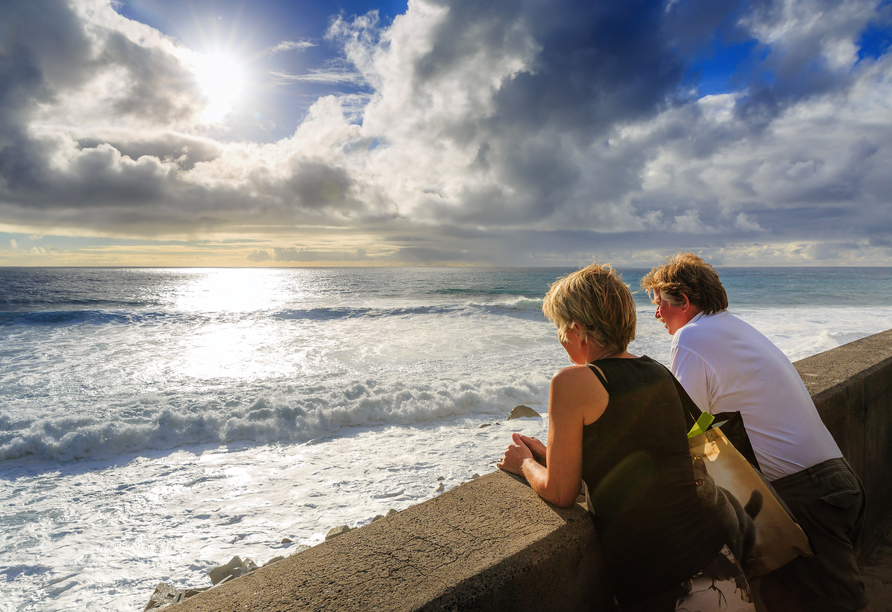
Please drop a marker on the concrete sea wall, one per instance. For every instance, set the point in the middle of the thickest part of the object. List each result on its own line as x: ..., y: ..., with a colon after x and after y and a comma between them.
x: 493, y: 544
x: 852, y: 389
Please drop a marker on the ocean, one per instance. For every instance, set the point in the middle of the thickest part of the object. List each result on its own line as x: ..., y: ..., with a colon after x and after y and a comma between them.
x: 156, y: 422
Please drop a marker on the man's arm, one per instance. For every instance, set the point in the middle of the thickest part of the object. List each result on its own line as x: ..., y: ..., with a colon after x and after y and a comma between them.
x: 695, y: 376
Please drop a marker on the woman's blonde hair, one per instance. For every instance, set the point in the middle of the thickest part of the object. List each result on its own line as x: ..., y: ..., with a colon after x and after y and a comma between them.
x: 599, y: 301
x: 687, y: 274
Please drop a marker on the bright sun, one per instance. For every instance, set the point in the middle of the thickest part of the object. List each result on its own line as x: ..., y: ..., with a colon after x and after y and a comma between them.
x: 221, y: 80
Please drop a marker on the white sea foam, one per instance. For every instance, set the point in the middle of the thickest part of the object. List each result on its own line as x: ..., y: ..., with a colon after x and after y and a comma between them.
x: 137, y: 520
x: 287, y: 414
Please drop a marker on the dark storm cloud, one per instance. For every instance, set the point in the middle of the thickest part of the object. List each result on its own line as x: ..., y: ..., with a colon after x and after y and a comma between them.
x: 599, y: 65
x: 317, y: 185
x: 158, y: 88
x: 47, y: 51
x: 692, y: 25
x: 426, y: 255
x: 800, y: 67
x: 184, y: 150
x: 294, y: 254
x: 40, y: 43
x: 560, y: 247
x: 104, y: 191
x: 47, y: 54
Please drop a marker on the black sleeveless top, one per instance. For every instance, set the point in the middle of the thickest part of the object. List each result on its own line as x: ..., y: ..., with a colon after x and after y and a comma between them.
x: 653, y: 529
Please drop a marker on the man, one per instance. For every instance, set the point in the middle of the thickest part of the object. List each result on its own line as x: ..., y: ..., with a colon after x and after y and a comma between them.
x: 726, y: 365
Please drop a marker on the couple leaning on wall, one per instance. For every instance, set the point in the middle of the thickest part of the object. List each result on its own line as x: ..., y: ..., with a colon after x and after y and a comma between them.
x: 620, y: 422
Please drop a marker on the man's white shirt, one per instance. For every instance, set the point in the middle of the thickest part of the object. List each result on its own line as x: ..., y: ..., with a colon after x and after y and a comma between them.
x: 726, y: 365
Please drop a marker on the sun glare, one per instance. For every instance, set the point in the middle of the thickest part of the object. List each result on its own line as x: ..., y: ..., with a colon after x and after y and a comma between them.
x: 221, y: 80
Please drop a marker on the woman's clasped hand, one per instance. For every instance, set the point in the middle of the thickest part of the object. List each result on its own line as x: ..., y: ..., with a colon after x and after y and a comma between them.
x: 524, y: 447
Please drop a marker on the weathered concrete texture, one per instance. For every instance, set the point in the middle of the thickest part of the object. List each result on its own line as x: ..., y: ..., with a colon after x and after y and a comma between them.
x: 852, y: 389
x: 490, y: 544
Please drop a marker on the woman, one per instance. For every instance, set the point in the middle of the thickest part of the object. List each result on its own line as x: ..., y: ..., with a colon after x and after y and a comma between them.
x: 616, y: 422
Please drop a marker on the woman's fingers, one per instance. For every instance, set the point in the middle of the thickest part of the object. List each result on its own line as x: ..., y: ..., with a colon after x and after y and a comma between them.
x: 514, y: 458
x: 532, y: 443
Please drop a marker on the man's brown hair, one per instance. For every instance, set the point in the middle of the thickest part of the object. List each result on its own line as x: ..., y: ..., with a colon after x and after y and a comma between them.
x: 687, y: 274
x: 599, y: 301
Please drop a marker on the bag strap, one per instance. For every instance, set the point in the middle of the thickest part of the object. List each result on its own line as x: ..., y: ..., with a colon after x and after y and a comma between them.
x: 702, y: 421
x: 697, y: 420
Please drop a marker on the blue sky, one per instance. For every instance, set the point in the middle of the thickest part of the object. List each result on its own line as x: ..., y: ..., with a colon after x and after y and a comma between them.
x: 445, y: 132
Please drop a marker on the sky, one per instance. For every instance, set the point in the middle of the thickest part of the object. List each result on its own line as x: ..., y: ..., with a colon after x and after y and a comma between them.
x: 445, y: 132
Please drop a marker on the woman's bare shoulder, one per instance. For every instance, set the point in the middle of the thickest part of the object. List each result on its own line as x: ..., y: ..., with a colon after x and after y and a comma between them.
x: 573, y: 373
x: 576, y: 380
x: 575, y: 390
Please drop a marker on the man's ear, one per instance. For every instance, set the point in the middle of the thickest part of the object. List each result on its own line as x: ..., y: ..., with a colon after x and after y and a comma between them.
x: 687, y: 302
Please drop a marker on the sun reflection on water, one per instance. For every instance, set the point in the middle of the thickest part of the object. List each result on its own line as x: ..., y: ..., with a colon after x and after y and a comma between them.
x: 236, y: 290
x: 239, y: 338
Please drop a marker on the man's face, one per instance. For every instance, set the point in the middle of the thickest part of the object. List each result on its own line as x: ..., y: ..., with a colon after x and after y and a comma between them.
x: 672, y: 317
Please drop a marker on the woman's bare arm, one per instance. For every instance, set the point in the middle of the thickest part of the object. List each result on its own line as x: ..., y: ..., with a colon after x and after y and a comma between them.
x: 576, y: 399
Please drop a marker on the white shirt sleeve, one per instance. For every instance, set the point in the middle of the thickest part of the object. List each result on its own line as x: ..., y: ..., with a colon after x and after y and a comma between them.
x: 695, y: 376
